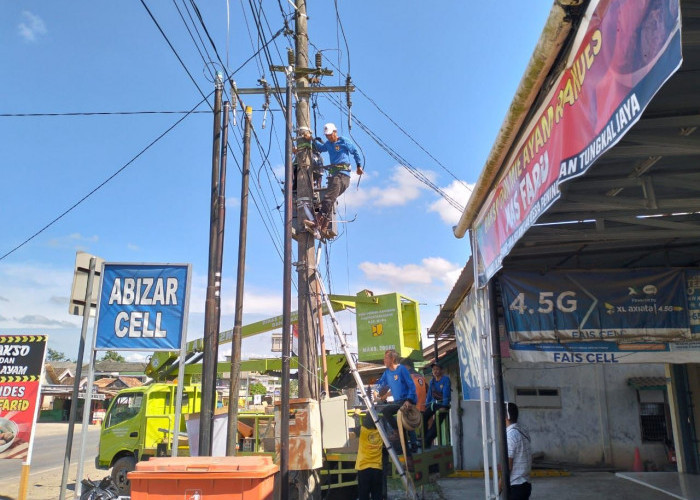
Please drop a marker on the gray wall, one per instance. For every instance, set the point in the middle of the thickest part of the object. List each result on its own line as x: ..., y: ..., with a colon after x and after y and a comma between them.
x: 598, y: 422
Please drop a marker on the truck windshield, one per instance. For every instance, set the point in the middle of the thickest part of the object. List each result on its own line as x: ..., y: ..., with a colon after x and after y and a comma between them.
x: 125, y: 407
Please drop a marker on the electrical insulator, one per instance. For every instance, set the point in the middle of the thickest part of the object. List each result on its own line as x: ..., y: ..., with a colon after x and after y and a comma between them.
x: 319, y: 60
x: 264, y: 120
x: 290, y: 57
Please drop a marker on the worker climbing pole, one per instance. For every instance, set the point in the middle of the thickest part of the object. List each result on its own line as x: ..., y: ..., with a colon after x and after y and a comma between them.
x: 309, y: 481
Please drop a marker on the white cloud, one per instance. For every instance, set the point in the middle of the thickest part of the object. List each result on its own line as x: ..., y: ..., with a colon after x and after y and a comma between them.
x: 429, y: 271
x: 233, y: 202
x: 401, y: 189
x: 35, y: 295
x: 254, y: 301
x: 73, y: 240
x: 132, y: 247
x: 39, y: 320
x: 459, y: 192
x: 31, y: 27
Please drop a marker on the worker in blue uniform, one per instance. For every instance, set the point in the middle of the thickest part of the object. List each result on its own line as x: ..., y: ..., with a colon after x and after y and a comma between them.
x: 397, y: 378
x: 439, y: 397
x: 339, y: 150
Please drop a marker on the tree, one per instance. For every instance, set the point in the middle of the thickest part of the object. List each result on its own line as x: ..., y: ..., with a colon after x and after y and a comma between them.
x: 54, y: 355
x: 257, y: 388
x: 113, y: 356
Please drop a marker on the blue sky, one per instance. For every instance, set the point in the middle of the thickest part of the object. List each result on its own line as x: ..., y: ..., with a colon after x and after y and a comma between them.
x: 445, y: 72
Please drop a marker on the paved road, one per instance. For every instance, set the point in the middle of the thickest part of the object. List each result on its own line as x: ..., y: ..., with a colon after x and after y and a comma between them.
x: 47, y: 463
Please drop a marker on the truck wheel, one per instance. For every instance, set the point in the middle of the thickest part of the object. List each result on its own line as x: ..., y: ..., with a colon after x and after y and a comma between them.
x: 120, y: 469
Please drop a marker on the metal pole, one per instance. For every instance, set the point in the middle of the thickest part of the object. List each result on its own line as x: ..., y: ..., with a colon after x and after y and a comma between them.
x: 78, y: 376
x: 235, y: 379
x: 324, y: 362
x: 211, y: 327
x: 498, y: 389
x: 286, y: 297
x: 86, y: 407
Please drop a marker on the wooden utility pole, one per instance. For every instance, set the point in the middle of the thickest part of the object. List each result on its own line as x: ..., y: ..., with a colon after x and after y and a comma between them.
x: 211, y: 325
x: 307, y: 481
x: 234, y: 382
x: 308, y: 350
x: 308, y: 486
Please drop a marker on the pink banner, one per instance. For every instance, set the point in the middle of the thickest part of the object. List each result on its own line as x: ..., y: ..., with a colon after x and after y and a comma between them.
x: 622, y: 57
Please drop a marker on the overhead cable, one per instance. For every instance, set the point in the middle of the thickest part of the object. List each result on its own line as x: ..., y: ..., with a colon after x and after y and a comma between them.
x: 103, y: 183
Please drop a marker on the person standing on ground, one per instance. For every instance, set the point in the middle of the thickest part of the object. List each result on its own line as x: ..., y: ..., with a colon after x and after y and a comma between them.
x: 439, y: 397
x: 397, y: 379
x: 339, y: 150
x: 519, y: 455
x: 370, y: 476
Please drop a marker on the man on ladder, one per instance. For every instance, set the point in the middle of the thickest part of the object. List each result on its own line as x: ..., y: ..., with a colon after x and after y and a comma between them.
x: 339, y: 150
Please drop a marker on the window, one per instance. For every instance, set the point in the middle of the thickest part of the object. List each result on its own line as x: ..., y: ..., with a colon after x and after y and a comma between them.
x: 652, y: 415
x: 124, y: 408
x: 537, y: 397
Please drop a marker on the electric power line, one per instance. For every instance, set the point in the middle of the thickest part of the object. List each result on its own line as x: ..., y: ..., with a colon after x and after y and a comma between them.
x: 103, y: 183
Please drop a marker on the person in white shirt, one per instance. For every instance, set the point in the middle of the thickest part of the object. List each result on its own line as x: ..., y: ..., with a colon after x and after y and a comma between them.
x: 519, y: 455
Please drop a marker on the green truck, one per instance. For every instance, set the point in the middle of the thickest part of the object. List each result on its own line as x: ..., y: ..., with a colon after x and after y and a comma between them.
x: 138, y: 425
x: 139, y: 422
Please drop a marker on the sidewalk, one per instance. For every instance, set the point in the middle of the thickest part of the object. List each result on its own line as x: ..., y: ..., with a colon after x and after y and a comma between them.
x: 577, y: 486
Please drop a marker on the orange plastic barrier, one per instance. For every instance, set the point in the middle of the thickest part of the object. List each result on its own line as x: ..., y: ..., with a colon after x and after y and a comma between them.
x: 200, y: 478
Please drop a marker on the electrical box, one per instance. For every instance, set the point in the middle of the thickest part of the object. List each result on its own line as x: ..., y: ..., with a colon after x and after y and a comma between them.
x: 384, y: 322
x: 334, y: 413
x: 305, y: 450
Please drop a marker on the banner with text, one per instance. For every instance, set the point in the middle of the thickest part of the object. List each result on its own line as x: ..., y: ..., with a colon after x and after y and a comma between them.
x: 142, y: 306
x: 21, y: 362
x: 624, y: 52
x: 466, y: 326
x: 582, y: 305
x: 629, y: 316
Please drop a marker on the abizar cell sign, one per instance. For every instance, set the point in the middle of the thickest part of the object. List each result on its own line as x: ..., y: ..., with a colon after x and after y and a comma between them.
x: 142, y: 306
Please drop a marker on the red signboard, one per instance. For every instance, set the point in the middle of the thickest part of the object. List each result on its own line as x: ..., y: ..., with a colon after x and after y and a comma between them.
x: 21, y: 362
x: 623, y: 53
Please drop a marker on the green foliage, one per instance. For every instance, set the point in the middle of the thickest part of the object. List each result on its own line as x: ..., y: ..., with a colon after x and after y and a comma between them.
x: 293, y: 388
x: 113, y: 356
x: 54, y: 355
x: 257, y: 388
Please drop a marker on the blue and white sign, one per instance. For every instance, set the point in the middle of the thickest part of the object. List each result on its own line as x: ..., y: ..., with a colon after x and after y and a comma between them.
x: 142, y: 306
x: 612, y: 305
x: 468, y: 347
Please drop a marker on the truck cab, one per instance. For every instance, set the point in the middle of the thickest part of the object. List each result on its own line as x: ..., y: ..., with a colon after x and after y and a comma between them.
x: 138, y: 425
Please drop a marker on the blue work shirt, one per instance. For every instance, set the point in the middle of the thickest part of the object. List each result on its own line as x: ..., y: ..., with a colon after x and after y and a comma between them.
x: 400, y: 383
x: 439, y: 391
x: 339, y: 152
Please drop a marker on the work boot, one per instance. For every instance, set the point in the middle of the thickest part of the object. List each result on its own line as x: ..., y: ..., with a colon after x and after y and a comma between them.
x: 312, y: 227
x: 323, y: 225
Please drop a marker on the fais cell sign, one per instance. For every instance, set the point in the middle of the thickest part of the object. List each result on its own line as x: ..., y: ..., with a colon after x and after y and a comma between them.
x: 142, y: 306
